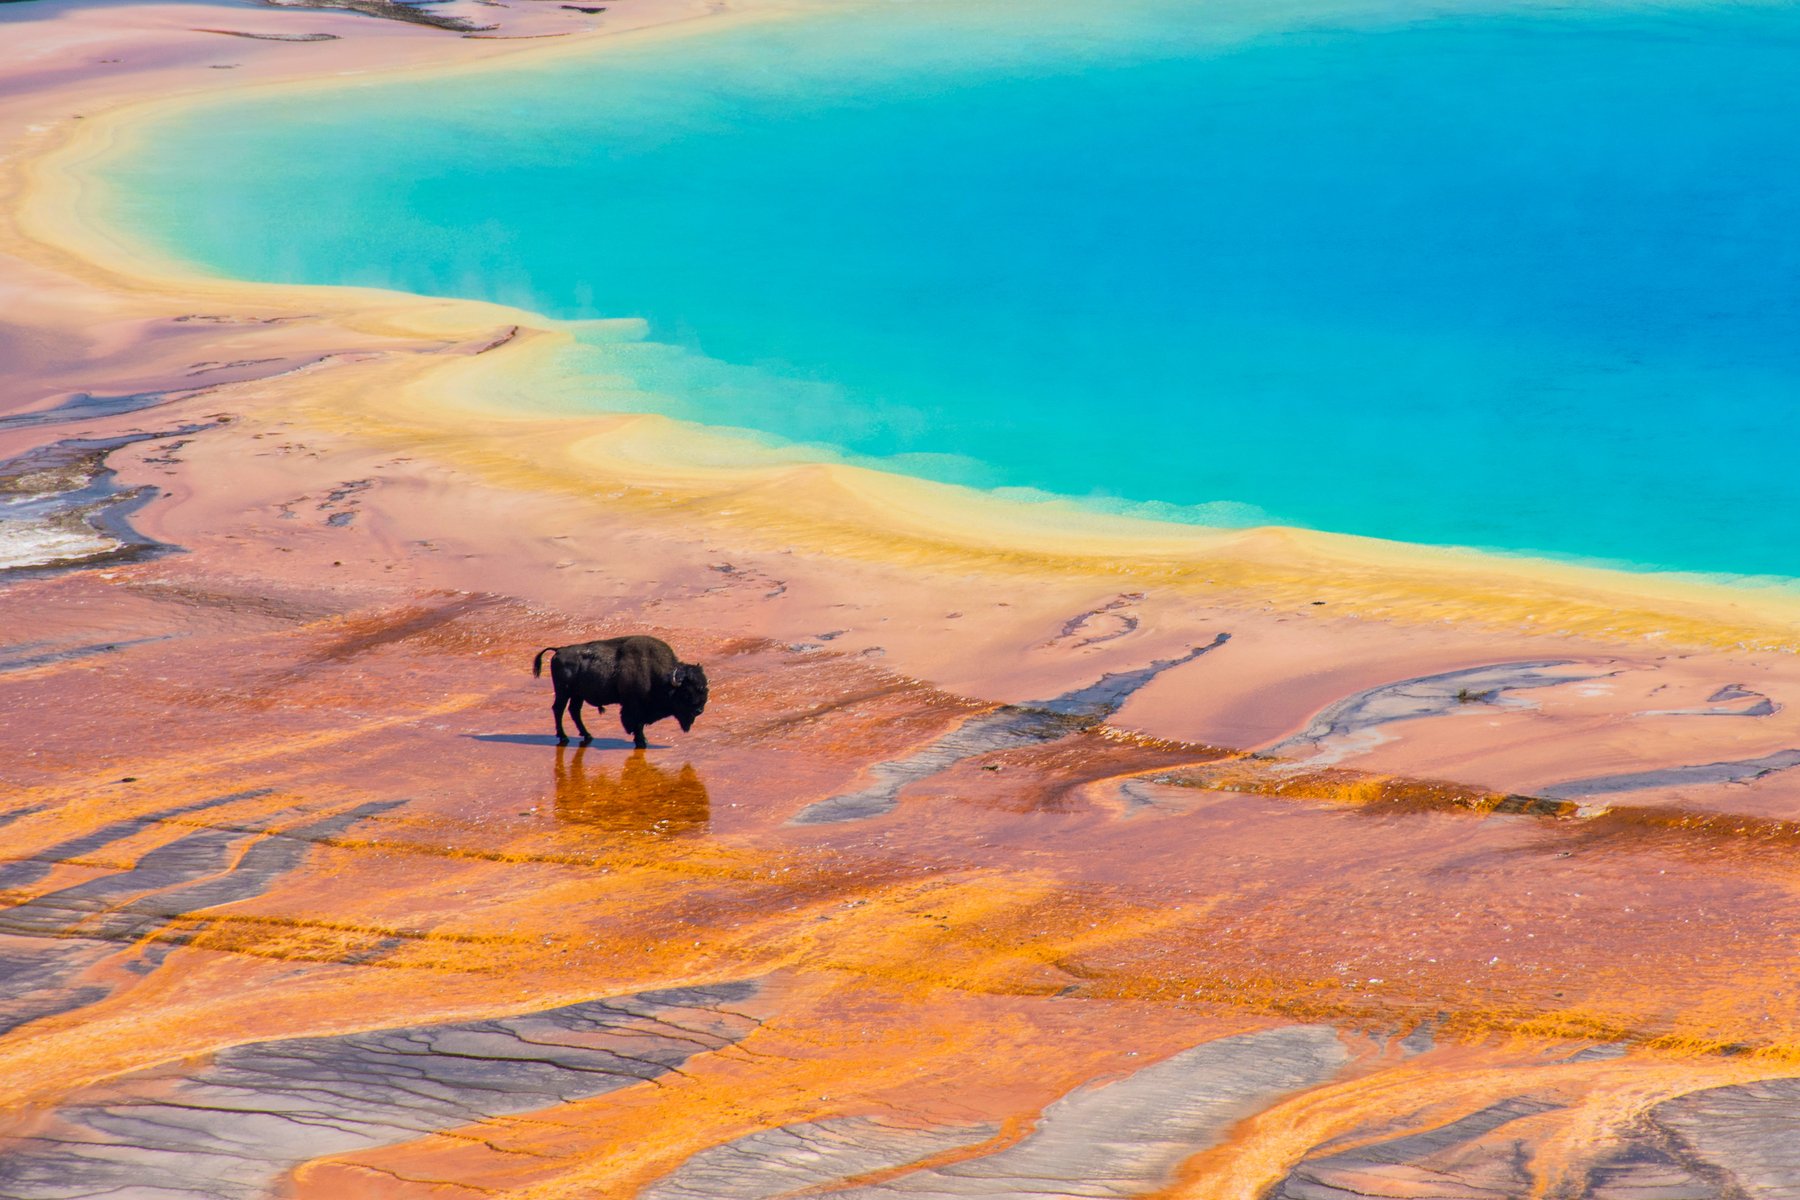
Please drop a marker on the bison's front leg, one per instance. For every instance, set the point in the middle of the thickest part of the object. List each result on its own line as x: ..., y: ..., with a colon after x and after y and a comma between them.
x: 633, y: 721
x: 575, y: 711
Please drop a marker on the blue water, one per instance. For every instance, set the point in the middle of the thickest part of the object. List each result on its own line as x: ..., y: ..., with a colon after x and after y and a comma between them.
x: 1523, y: 282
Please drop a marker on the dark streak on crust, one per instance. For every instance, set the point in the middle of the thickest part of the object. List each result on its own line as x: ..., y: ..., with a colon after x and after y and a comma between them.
x: 87, y: 406
x: 392, y: 10
x: 274, y: 37
x: 498, y: 340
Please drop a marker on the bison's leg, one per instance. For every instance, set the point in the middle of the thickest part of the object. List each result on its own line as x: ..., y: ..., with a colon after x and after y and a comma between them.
x: 633, y: 721
x: 562, y: 702
x: 575, y: 711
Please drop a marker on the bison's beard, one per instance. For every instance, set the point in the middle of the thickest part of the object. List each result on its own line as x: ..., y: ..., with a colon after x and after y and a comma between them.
x: 686, y: 723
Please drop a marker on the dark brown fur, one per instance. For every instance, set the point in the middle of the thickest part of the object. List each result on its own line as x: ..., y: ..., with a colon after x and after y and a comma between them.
x: 639, y: 674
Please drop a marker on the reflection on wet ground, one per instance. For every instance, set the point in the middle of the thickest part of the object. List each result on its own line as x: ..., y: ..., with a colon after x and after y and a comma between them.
x: 630, y: 794
x: 326, y: 935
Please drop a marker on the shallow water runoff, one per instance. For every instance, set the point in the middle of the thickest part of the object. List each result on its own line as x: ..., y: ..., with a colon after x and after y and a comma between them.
x: 1520, y: 278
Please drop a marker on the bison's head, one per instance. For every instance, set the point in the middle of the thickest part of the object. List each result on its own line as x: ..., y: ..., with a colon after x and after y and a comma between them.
x: 689, y: 697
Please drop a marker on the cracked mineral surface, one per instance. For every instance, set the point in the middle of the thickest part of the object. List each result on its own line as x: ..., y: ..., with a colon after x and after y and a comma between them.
x: 232, y: 1127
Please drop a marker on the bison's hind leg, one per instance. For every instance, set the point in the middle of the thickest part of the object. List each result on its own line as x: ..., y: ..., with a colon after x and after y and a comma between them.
x: 562, y: 702
x: 575, y: 711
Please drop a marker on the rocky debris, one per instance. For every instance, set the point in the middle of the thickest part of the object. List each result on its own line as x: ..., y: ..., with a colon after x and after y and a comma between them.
x: 342, y: 502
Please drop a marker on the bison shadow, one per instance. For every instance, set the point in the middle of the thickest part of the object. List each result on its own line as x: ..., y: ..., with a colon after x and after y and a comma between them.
x: 641, y: 798
x: 549, y: 739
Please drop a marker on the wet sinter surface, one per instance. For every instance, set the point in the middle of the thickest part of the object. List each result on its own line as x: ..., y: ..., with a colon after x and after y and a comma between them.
x: 324, y: 909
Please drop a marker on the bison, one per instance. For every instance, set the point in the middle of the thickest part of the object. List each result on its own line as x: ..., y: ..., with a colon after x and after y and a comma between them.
x: 639, y: 674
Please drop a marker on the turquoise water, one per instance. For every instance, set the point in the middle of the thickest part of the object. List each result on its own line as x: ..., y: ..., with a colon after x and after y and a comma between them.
x: 1528, y: 282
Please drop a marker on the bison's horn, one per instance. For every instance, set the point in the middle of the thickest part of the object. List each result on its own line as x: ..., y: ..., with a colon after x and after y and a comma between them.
x: 679, y: 676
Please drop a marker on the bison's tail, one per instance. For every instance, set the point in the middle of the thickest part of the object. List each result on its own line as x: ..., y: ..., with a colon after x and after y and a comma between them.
x: 537, y: 664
